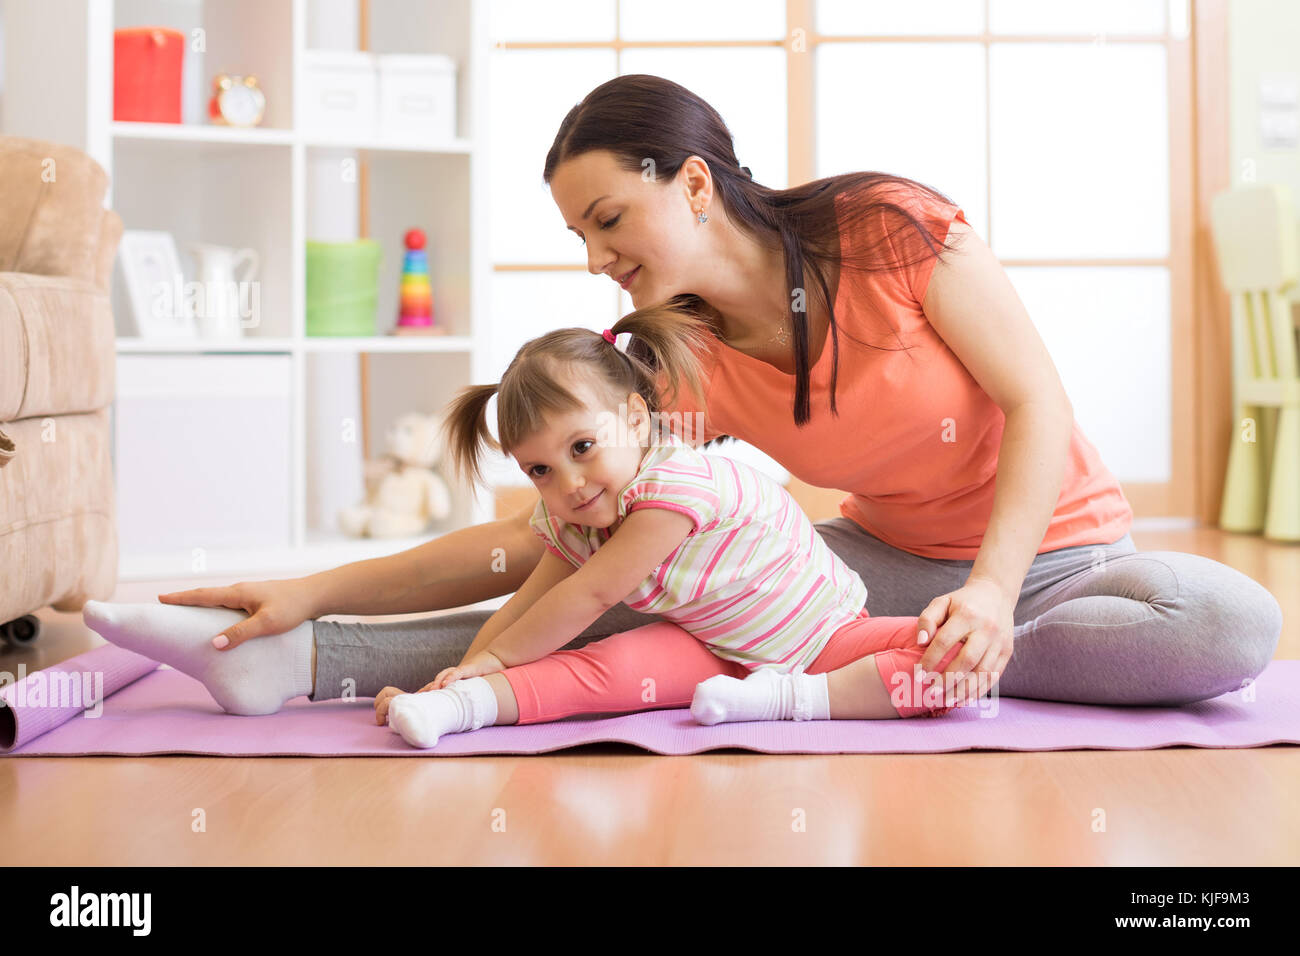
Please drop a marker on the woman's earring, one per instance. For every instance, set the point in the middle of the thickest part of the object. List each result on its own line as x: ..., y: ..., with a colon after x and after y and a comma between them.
x: 702, y: 217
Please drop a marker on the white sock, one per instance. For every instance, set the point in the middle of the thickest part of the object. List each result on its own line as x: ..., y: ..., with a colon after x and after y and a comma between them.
x: 466, y: 704
x: 763, y: 695
x: 256, y: 677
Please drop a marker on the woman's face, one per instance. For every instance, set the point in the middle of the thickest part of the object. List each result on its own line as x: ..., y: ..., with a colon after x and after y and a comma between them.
x: 637, y: 230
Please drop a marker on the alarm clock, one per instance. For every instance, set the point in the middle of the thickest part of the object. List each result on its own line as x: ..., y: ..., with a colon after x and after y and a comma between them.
x: 236, y: 100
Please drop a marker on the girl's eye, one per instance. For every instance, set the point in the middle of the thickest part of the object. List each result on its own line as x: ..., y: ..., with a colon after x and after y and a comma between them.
x: 579, y: 447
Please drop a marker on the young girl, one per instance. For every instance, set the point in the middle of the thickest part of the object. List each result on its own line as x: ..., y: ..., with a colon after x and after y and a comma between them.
x: 631, y: 512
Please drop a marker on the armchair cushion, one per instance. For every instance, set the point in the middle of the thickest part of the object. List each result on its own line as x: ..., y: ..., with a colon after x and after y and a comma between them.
x: 56, y: 346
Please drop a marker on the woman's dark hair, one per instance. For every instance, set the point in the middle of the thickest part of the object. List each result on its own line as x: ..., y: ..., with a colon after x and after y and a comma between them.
x: 640, y: 117
x: 662, y: 357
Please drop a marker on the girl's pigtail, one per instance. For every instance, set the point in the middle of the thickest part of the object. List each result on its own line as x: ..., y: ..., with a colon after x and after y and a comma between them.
x: 467, y: 430
x: 667, y: 342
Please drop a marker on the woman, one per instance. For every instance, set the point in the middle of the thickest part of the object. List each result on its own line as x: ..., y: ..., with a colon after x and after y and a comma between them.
x: 862, y: 354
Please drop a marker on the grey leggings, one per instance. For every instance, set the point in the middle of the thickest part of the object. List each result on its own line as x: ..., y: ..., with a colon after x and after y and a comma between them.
x: 1096, y: 624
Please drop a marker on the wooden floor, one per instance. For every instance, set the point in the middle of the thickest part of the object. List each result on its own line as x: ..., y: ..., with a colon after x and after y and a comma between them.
x: 616, y: 805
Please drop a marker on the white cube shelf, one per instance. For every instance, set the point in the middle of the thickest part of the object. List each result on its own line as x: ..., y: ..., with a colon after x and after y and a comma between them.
x: 295, y: 177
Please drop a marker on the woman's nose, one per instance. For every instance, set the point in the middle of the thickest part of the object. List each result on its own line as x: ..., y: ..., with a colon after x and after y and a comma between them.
x: 598, y: 258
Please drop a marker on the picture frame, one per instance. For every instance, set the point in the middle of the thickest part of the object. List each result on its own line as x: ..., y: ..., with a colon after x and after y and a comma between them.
x: 155, y: 286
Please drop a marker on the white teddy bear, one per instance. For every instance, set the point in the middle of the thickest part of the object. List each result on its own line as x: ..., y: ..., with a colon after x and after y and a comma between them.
x: 403, y: 491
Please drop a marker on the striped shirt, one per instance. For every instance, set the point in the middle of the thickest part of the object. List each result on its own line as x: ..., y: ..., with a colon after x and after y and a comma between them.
x: 753, y: 579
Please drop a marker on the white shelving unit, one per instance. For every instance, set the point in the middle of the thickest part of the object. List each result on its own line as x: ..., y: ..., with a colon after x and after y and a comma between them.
x: 272, y: 188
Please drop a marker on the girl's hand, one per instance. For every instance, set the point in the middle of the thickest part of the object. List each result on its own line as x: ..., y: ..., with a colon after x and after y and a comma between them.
x: 385, y: 697
x: 274, y: 606
x: 382, y: 700
x: 979, y: 613
x: 480, y: 665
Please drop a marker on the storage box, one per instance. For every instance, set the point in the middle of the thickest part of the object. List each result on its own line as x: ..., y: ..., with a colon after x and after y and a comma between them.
x: 201, y: 453
x: 340, y: 93
x: 147, y: 74
x: 417, y: 97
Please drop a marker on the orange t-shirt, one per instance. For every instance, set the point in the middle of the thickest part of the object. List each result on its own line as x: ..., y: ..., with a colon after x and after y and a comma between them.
x: 916, y: 439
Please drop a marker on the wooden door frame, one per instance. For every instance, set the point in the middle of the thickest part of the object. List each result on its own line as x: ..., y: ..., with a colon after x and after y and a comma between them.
x: 1212, y: 330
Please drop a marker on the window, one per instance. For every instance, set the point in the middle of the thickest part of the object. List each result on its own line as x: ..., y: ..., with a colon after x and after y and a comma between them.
x: 1052, y: 123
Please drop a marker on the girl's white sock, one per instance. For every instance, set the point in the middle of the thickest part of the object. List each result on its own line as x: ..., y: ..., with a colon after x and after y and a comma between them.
x: 764, y: 695
x: 467, y: 704
x: 254, y: 678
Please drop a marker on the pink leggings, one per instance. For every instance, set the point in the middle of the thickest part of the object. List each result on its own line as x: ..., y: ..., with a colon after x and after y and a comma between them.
x: 657, y: 667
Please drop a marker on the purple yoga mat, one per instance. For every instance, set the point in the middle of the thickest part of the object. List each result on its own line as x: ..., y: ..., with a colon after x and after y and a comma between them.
x: 34, y: 704
x: 162, y: 711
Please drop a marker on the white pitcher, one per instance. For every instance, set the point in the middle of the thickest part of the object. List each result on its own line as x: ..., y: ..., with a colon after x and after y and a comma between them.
x: 224, y: 303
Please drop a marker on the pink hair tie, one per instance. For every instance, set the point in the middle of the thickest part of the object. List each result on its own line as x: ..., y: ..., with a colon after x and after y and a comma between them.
x: 609, y: 336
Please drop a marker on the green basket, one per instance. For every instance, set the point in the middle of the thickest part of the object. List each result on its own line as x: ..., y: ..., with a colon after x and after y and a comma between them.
x: 342, y: 287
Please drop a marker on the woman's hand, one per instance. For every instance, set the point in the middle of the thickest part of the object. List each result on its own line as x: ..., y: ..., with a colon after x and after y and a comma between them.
x: 981, y: 614
x: 480, y: 665
x: 274, y: 606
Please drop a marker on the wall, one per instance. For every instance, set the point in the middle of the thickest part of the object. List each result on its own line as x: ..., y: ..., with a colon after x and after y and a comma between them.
x: 1263, y: 38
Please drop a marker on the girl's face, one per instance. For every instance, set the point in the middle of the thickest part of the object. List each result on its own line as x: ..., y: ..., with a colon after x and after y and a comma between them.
x: 641, y: 233
x: 580, y: 460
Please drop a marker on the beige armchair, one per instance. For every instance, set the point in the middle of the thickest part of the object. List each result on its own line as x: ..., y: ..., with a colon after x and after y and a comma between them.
x: 58, y: 522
